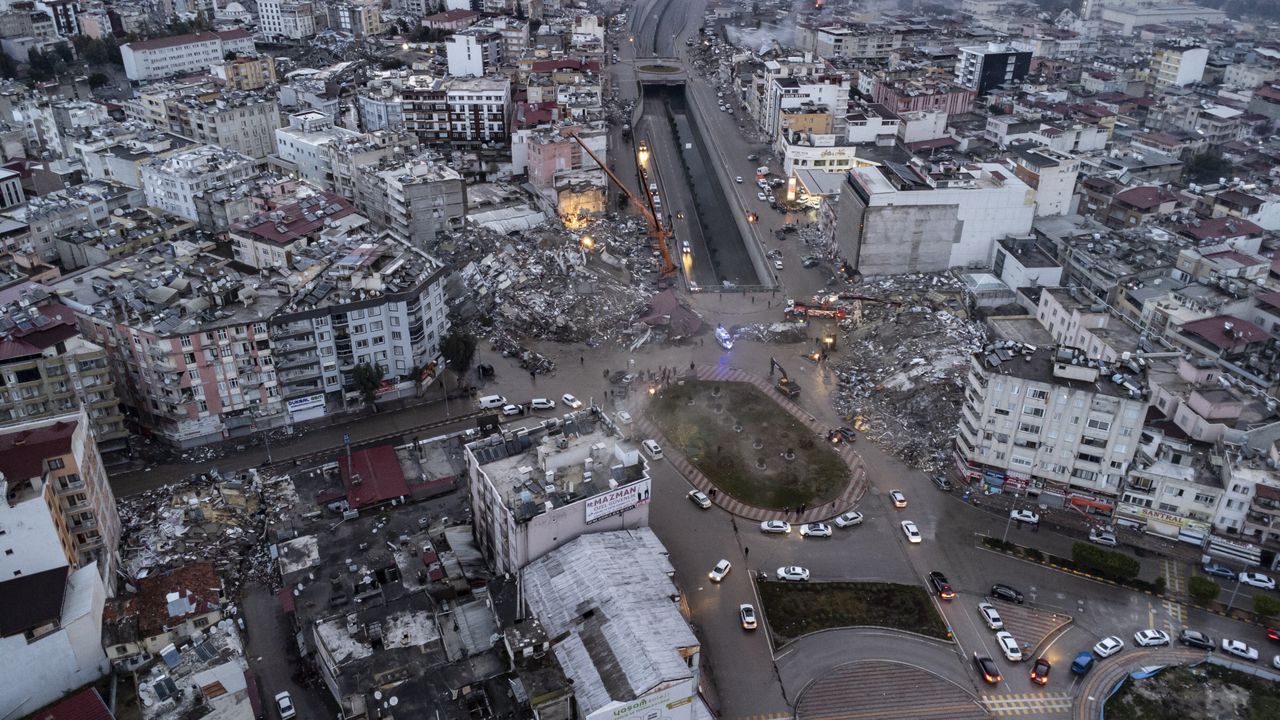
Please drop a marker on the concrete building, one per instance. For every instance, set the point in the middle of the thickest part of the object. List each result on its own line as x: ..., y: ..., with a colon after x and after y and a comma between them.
x: 415, y: 199
x: 1039, y: 422
x: 1125, y: 15
x: 1050, y: 173
x: 915, y: 95
x: 473, y: 53
x: 790, y: 93
x: 286, y: 19
x: 301, y: 147
x: 181, y: 54
x: 11, y: 192
x: 272, y: 239
x: 206, y: 112
x: 552, y: 151
x: 900, y: 218
x: 246, y: 72
x: 1177, y: 65
x: 533, y: 491
x: 173, y: 183
x: 982, y: 68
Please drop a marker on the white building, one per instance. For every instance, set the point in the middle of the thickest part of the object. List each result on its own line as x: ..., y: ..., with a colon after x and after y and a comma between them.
x: 1042, y: 422
x: 288, y: 19
x: 1174, y: 65
x: 172, y: 183
x: 181, y: 54
x: 1052, y: 174
x: 791, y: 93
x: 473, y: 53
x: 415, y: 199
x: 532, y: 492
x: 302, y: 146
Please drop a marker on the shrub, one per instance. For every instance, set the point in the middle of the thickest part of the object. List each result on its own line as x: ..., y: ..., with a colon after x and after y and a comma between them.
x: 1266, y: 607
x: 1109, y: 564
x: 1158, y: 587
x: 1035, y: 555
x: 1202, y: 589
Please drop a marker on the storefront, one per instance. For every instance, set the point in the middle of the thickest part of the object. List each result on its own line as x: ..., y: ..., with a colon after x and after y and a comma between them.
x: 307, y: 407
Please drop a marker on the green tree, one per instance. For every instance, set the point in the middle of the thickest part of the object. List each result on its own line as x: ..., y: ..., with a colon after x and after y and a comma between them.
x: 97, y: 80
x: 1206, y: 168
x: 367, y: 379
x: 1266, y: 607
x: 459, y: 349
x: 1115, y: 566
x: 1202, y: 589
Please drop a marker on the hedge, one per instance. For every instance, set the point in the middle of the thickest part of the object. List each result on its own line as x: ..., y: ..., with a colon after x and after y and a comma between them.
x: 1115, y: 566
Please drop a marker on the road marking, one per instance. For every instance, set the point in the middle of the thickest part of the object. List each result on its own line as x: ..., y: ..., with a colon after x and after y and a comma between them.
x: 1027, y: 703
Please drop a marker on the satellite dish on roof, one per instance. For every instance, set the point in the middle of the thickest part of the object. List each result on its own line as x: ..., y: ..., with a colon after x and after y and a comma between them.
x: 394, y: 701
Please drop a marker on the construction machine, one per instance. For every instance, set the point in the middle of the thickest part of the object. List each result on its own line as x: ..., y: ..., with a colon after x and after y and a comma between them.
x: 784, y: 384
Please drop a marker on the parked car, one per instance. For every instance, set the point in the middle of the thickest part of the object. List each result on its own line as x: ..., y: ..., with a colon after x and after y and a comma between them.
x: 1082, y: 664
x: 1195, y: 639
x: 941, y: 483
x: 761, y: 196
x: 777, y: 264
x: 699, y: 498
x: 817, y: 529
x: 987, y: 669
x: 1257, y: 580
x: 1275, y: 662
x: 285, y: 704
x: 1273, y: 634
x: 1103, y: 537
x: 738, y: 179
x: 1218, y: 570
x: 1001, y: 591
x: 748, y: 616
x: 848, y: 519
x: 753, y: 157
x: 940, y: 585
x: 1151, y: 638
x: 793, y: 573
x: 1025, y: 516
x: 510, y: 410
x: 899, y: 500
x: 1239, y: 649
x: 911, y: 531
x: 781, y: 527
x: 1009, y: 646
x: 718, y: 572
x: 571, y: 401
x: 1108, y: 646
x: 1040, y: 671
x: 542, y: 404
x: 990, y: 615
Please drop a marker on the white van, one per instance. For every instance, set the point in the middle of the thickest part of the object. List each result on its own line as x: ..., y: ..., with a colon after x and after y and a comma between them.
x: 489, y: 402
x: 651, y: 447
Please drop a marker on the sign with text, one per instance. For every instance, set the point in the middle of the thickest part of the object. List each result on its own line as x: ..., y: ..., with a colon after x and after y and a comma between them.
x: 670, y: 703
x: 599, y: 507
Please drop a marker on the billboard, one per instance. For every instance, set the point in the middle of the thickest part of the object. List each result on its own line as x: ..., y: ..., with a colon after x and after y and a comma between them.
x: 599, y: 507
x: 671, y: 703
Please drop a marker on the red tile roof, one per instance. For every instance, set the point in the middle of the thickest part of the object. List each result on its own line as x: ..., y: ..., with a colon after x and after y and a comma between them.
x: 198, y: 591
x: 22, y: 453
x: 20, y: 342
x: 1145, y: 198
x: 84, y: 705
x: 381, y: 478
x: 1271, y: 298
x: 299, y: 219
x: 450, y: 16
x: 1214, y: 331
x: 1223, y: 227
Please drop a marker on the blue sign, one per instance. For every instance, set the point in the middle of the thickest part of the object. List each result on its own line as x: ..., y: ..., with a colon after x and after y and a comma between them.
x: 346, y: 438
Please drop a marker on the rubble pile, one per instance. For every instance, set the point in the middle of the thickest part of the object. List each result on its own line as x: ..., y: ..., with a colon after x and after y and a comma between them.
x: 903, y: 365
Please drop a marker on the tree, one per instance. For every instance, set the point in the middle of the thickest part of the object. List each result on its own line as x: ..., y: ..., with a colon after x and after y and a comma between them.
x: 367, y: 379
x: 459, y: 349
x: 1202, y: 589
x: 1115, y: 566
x: 1206, y: 168
x: 97, y: 80
x: 1266, y: 607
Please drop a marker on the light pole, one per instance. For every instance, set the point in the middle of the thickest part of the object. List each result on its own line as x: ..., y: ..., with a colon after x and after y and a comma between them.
x: 1007, y: 523
x: 1233, y: 595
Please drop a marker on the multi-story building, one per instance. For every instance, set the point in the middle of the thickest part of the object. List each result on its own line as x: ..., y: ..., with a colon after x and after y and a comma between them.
x: 552, y: 150
x: 287, y: 19
x: 11, y: 192
x: 474, y: 53
x: 479, y: 110
x: 181, y: 54
x: 916, y: 218
x: 1039, y: 420
x: 790, y: 93
x: 535, y: 492
x: 246, y: 72
x: 273, y: 238
x: 301, y: 147
x: 203, y: 111
x: 51, y: 370
x: 414, y: 199
x: 348, y: 155
x: 982, y: 68
x: 355, y: 17
x: 174, y: 183
x: 1177, y: 65
x: 856, y: 41
x: 1050, y: 173
x: 912, y: 95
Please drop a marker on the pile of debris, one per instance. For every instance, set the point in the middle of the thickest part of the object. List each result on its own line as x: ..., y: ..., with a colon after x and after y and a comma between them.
x: 903, y: 364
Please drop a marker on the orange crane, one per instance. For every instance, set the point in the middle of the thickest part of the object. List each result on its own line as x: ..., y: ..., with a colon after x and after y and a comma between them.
x: 657, y: 231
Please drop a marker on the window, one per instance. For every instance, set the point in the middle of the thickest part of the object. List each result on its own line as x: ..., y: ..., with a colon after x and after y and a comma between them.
x: 194, y: 373
x: 1168, y: 508
x: 202, y: 406
x: 1033, y: 411
x: 1095, y: 424
x: 56, y: 464
x: 1029, y: 428
x: 1015, y: 460
x: 1035, y: 394
x: 186, y: 341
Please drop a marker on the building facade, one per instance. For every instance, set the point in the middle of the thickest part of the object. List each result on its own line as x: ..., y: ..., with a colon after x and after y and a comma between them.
x: 181, y: 54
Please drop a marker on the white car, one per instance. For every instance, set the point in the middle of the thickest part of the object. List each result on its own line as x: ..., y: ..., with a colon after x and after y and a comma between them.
x: 624, y: 417
x: 1108, y: 646
x: 571, y: 401
x: 781, y: 527
x: 718, y: 572
x: 1239, y: 649
x: 748, y: 615
x: 815, y: 530
x: 699, y: 498
x: 1275, y: 662
x: 990, y: 615
x: 1009, y: 646
x: 285, y: 704
x: 1025, y: 516
x: 848, y: 519
x: 1257, y: 580
x: 738, y: 179
x: 777, y: 264
x: 911, y: 531
x: 1103, y: 537
x: 685, y: 247
x: 542, y: 404
x: 1150, y: 638
x: 793, y: 573
x: 899, y: 500
x: 509, y: 410
x: 761, y: 196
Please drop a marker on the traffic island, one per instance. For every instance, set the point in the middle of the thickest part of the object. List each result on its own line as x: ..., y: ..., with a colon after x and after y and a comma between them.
x: 793, y: 610
x: 748, y: 446
x: 1204, y: 691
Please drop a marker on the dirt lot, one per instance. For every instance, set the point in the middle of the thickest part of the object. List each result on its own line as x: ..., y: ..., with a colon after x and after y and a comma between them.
x: 748, y: 446
x: 1207, y: 692
x: 796, y: 609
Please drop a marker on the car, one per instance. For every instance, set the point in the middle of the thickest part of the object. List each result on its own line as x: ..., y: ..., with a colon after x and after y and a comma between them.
x: 542, y: 404
x: 777, y: 264
x: 1025, y: 516
x: 1083, y: 663
x: 761, y: 196
x: 753, y: 156
x: 1219, y: 570
x: 748, y: 616
x: 793, y: 573
x: 817, y: 529
x: 571, y: 401
x: 1257, y: 580
x: 990, y: 615
x: 1000, y: 591
x: 1239, y: 649
x: 1103, y: 537
x: 809, y: 261
x: 848, y: 519
x: 771, y: 199
x: 1195, y: 639
x: 657, y: 200
x: 685, y: 247
x: 1040, y: 671
x: 844, y: 432
x: 724, y: 108
x: 911, y: 531
x: 1108, y: 646
x: 624, y: 417
x: 1273, y: 634
x: 899, y: 500
x: 987, y: 669
x: 941, y: 586
x: 1151, y: 638
x: 941, y: 483
x: 699, y: 498
x: 781, y: 527
x: 718, y: 572
x: 509, y: 410
x: 285, y: 705
x: 738, y: 179
x: 653, y: 187
x: 1009, y: 646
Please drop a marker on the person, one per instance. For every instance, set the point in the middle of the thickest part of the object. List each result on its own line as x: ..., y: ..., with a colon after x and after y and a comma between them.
x: 582, y: 360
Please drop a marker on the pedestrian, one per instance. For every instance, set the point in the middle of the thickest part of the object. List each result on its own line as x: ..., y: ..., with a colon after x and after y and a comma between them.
x: 753, y: 299
x: 582, y: 360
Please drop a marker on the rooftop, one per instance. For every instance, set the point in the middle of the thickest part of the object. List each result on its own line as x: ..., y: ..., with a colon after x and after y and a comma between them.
x: 1061, y: 366
x: 22, y: 453
x: 28, y: 602
x: 1226, y: 332
x: 288, y: 223
x: 166, y: 599
x: 175, y: 40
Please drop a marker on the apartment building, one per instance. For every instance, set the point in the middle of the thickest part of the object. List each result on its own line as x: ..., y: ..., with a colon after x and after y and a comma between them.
x: 301, y: 146
x: 246, y: 72
x: 1043, y: 421
x: 982, y: 68
x: 348, y: 155
x: 272, y: 239
x: 173, y: 183
x: 473, y: 53
x: 1177, y: 65
x: 206, y: 112
x: 1050, y: 173
x: 789, y: 93
x: 415, y: 199
x: 359, y: 18
x: 286, y: 19
x: 920, y: 95
x: 181, y: 54
x: 552, y: 151
x: 450, y: 111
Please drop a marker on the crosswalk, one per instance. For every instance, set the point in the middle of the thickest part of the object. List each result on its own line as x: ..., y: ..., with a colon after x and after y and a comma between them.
x: 1175, y: 578
x: 1015, y: 704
